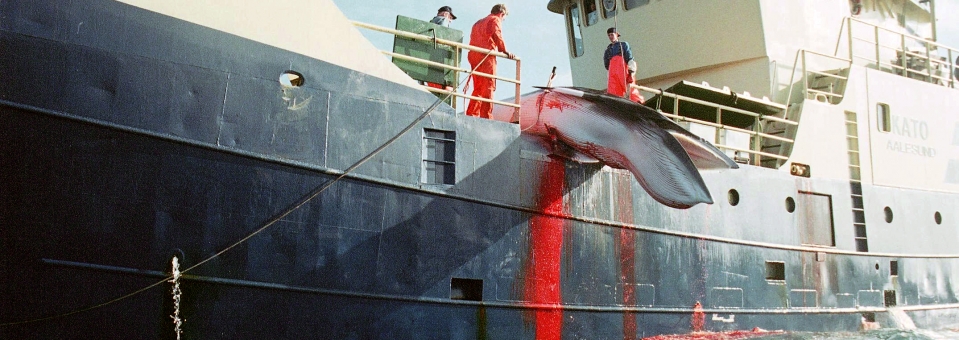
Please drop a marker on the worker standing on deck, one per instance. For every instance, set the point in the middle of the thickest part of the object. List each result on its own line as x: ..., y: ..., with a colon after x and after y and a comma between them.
x: 444, y: 16
x: 616, y: 57
x: 487, y: 33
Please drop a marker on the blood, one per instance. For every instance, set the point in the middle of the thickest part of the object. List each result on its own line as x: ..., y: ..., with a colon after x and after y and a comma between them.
x: 699, y: 318
x: 546, y: 243
x: 553, y: 103
x: 728, y: 335
x: 627, y: 252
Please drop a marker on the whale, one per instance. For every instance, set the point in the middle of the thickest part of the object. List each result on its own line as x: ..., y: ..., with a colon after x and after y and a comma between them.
x: 588, y: 126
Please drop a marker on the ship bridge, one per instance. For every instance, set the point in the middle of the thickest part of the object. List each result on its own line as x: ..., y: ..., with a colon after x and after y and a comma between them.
x: 774, y: 56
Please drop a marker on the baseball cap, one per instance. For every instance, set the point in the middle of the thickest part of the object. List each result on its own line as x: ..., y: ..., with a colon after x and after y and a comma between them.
x: 447, y: 9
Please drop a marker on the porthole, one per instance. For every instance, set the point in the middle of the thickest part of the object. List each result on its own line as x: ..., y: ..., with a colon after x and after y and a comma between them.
x: 292, y: 79
x: 790, y: 204
x: 888, y: 213
x: 938, y: 217
x: 877, y: 265
x: 733, y: 197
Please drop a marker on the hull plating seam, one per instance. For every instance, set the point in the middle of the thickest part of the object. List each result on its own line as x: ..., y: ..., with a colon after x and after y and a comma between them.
x: 368, y: 179
x: 525, y: 306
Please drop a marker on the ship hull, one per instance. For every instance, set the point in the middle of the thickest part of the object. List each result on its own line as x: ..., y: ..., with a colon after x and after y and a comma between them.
x: 138, y: 146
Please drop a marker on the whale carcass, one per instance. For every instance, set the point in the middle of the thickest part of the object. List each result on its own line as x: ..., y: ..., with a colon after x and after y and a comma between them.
x: 587, y: 125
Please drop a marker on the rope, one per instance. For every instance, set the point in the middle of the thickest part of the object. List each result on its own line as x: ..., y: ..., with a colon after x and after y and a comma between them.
x: 269, y: 223
x: 466, y: 84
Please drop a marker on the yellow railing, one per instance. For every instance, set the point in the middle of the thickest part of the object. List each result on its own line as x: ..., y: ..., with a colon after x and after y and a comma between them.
x: 458, y: 46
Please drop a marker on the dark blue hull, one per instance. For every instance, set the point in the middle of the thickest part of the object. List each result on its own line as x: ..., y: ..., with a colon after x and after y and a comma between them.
x: 124, y: 149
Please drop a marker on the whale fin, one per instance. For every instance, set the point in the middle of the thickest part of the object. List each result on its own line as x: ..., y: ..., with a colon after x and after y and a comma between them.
x: 660, y: 165
x: 656, y: 158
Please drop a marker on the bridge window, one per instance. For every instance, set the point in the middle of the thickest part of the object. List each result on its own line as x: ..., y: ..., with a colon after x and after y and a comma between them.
x: 609, y: 8
x: 630, y: 4
x: 882, y: 115
x: 575, y: 30
x: 592, y: 15
x: 439, y: 157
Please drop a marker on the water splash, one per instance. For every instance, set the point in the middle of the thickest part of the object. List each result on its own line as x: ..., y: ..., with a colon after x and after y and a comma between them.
x: 900, y: 319
x: 177, y: 322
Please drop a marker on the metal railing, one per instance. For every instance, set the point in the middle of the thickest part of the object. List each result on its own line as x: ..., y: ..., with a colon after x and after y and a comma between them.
x: 910, y: 56
x: 907, y: 55
x: 756, y: 134
x: 802, y: 61
x: 458, y: 46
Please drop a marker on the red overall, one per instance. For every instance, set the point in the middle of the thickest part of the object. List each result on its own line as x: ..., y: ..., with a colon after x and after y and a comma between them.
x: 487, y: 33
x: 619, y: 78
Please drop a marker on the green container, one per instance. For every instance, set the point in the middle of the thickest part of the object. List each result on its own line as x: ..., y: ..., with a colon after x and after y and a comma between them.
x: 427, y: 50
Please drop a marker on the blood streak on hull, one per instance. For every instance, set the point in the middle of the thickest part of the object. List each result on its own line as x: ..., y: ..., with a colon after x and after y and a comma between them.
x: 543, y: 286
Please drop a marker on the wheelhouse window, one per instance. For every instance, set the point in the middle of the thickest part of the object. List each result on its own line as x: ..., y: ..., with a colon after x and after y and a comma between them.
x: 609, y: 8
x: 575, y: 30
x: 592, y: 15
x: 439, y: 157
x: 882, y: 116
x: 631, y: 4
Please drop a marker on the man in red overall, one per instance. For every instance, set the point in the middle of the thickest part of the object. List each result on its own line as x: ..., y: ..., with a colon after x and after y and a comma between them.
x: 616, y: 58
x: 487, y: 33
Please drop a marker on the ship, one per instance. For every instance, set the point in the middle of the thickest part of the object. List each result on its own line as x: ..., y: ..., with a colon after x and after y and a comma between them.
x: 227, y: 170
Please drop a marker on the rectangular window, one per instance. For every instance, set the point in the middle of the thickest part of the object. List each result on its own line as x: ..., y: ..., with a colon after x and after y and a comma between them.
x: 893, y: 268
x: 775, y: 271
x: 592, y: 15
x: 466, y: 289
x: 882, y: 116
x: 439, y: 157
x: 630, y: 4
x: 575, y: 30
x: 889, y: 298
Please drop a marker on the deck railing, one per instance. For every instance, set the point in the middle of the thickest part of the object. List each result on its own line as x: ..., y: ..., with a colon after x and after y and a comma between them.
x: 904, y: 54
x: 757, y: 133
x: 877, y: 48
x: 458, y: 70
x: 831, y: 92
